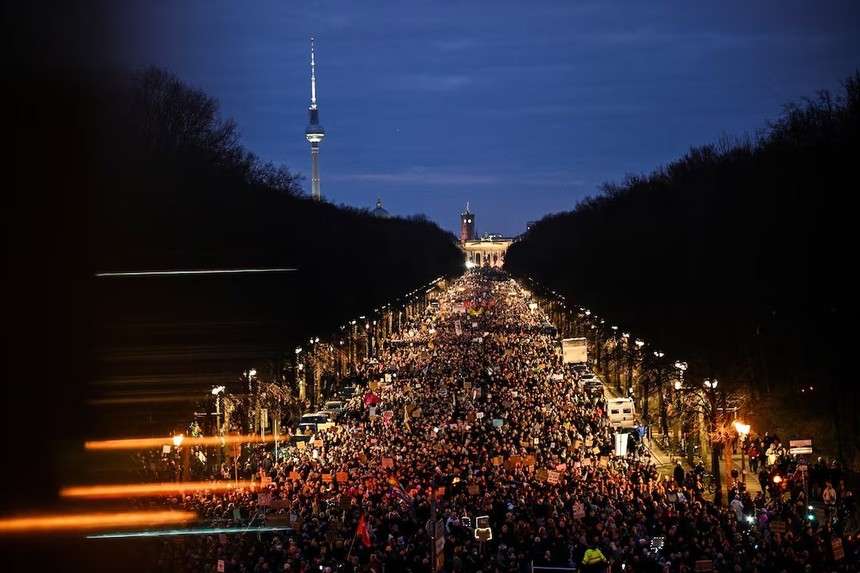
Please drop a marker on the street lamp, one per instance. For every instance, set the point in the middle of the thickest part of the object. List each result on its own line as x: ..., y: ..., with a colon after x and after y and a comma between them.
x: 711, y: 387
x: 639, y: 344
x: 658, y: 354
x: 616, y: 351
x: 777, y: 481
x: 679, y: 385
x: 186, y: 457
x: 626, y: 337
x: 682, y: 366
x: 256, y: 397
x: 743, y: 431
x: 217, y: 391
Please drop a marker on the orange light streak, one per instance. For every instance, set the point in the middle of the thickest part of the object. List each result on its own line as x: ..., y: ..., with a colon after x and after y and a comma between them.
x: 93, y: 521
x: 149, y: 443
x: 150, y: 489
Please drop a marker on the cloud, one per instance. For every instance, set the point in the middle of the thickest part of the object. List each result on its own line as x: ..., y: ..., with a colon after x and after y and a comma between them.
x: 422, y: 176
x: 425, y: 177
x: 435, y: 83
x: 455, y: 45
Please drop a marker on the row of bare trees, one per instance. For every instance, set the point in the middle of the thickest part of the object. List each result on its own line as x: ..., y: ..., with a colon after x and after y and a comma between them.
x: 734, y: 258
x: 694, y: 409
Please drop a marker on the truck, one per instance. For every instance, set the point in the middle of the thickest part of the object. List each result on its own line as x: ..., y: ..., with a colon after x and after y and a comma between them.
x: 574, y: 350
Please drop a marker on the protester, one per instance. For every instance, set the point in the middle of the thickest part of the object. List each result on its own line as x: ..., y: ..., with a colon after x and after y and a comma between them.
x: 475, y: 419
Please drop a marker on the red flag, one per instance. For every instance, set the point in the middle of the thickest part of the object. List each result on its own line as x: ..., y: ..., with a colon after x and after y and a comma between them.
x: 361, y: 531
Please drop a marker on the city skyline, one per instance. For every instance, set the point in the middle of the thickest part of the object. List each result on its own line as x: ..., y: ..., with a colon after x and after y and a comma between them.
x: 521, y: 113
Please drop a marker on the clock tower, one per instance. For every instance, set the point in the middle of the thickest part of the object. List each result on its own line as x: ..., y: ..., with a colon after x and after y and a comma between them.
x: 467, y: 226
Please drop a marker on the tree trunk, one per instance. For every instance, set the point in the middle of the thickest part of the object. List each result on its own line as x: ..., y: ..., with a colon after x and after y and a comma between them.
x: 646, y: 391
x: 715, y: 470
x: 727, y: 458
x: 664, y: 421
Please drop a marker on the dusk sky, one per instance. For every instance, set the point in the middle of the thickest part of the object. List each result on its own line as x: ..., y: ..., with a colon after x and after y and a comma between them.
x: 521, y: 109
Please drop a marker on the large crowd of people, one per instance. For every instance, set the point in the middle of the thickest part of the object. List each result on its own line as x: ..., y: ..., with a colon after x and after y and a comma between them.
x: 469, y: 416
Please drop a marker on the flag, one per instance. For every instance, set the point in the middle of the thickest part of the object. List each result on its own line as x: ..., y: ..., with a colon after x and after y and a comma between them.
x: 399, y: 489
x: 361, y: 531
x: 399, y: 492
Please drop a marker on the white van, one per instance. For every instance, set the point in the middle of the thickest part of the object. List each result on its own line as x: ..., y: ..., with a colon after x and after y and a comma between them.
x: 315, y: 422
x: 622, y: 412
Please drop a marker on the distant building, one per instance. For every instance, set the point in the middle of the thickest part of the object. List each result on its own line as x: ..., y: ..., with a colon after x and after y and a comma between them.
x: 489, y: 250
x: 467, y: 227
x: 379, y: 211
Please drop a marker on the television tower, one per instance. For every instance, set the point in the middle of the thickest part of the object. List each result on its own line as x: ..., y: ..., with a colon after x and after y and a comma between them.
x: 314, y: 132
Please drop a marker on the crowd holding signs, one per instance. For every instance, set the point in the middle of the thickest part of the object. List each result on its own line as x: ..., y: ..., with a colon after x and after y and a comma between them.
x: 484, y: 420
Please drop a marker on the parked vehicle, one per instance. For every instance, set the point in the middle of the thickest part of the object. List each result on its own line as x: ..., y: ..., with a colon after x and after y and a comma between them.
x: 594, y: 387
x: 574, y: 350
x: 588, y: 376
x: 314, y: 422
x: 332, y: 409
x: 622, y: 412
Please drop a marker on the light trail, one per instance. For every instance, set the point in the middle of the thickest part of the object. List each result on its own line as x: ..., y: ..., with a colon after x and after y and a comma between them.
x: 151, y: 489
x: 191, y: 272
x: 173, y: 532
x: 90, y: 521
x: 147, y: 443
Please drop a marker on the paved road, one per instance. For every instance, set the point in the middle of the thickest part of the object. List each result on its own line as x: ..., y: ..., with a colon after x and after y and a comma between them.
x: 666, y: 461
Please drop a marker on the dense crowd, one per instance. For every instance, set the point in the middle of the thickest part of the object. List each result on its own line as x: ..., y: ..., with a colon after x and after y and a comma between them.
x: 474, y: 416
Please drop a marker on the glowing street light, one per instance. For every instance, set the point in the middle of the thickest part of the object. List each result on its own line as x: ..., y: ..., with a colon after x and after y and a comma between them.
x: 186, y: 458
x: 743, y: 431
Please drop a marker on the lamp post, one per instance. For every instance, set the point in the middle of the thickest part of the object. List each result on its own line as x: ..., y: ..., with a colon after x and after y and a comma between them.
x: 777, y: 482
x: 625, y: 336
x: 743, y: 431
x: 217, y: 391
x: 186, y: 457
x: 616, y: 351
x: 639, y: 344
x: 658, y: 354
x: 679, y: 385
x: 711, y: 390
x: 254, y: 415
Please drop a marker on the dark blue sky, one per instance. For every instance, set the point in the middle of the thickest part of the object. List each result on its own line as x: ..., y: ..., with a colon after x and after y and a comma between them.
x: 520, y: 108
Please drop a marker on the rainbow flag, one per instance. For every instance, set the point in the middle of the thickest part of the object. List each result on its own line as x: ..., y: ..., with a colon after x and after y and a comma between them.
x: 400, y: 492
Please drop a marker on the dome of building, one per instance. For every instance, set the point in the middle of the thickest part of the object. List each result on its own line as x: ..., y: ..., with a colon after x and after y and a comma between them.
x: 379, y: 211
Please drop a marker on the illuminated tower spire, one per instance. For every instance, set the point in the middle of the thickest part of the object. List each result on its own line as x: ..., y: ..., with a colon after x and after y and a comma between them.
x: 314, y: 132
